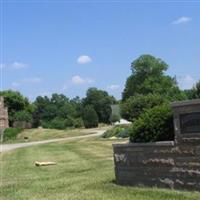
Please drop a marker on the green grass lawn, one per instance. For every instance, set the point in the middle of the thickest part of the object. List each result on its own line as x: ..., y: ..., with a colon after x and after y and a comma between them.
x: 84, y: 171
x: 38, y: 134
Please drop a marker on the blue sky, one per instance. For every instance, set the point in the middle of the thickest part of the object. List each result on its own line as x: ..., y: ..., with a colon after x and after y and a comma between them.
x: 69, y: 46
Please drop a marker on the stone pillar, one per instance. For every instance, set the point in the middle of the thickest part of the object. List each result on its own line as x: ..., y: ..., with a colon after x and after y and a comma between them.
x: 187, y: 121
x: 3, y: 115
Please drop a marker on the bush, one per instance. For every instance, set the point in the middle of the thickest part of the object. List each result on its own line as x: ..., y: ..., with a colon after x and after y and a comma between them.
x: 90, y: 117
x: 45, y: 124
x: 118, y: 131
x: 78, y: 123
x: 11, y: 133
x: 69, y: 122
x: 123, y: 134
x: 23, y: 116
x: 133, y: 107
x: 156, y: 124
x: 58, y: 123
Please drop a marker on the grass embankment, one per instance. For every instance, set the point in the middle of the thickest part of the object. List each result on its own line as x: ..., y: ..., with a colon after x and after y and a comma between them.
x: 84, y: 171
x: 29, y: 135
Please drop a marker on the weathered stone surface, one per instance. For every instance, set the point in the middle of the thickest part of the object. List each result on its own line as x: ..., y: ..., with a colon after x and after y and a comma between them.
x: 3, y: 114
x: 164, y: 164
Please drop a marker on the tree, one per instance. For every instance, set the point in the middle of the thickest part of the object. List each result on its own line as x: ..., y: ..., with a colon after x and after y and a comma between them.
x: 194, y: 93
x: 90, y: 117
x: 101, y: 102
x: 134, y: 106
x: 58, y: 107
x: 23, y: 116
x: 16, y: 104
x: 148, y: 77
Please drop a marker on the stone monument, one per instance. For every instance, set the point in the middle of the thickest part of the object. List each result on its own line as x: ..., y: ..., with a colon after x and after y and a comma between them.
x: 187, y: 120
x: 171, y: 164
x: 3, y: 115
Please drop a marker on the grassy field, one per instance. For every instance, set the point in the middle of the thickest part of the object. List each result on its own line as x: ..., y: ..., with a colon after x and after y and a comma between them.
x: 29, y: 135
x: 84, y: 171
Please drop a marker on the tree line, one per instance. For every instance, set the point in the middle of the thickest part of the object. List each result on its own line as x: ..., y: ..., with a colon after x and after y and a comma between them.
x: 147, y: 87
x: 58, y: 111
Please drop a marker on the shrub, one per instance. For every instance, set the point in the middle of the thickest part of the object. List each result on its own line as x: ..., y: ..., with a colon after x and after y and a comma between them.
x: 45, y: 124
x: 123, y: 134
x: 11, y: 133
x: 156, y: 124
x: 133, y: 107
x: 90, y: 117
x: 118, y: 131
x: 78, y: 123
x: 58, y: 123
x: 23, y: 116
x: 69, y: 122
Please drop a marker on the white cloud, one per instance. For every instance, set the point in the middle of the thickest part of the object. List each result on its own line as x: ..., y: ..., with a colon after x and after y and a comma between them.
x: 182, y: 20
x: 15, y: 84
x: 77, y: 80
x: 186, y: 82
x: 13, y: 66
x: 19, y: 65
x: 33, y: 80
x: 114, y: 87
x: 83, y: 59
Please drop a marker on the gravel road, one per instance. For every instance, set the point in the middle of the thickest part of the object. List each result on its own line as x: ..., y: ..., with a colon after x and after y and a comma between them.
x: 8, y: 147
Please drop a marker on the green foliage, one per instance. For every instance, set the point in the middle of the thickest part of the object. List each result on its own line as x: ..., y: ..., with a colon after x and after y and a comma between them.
x: 156, y: 124
x: 58, y: 110
x: 11, y: 133
x: 118, y: 132
x: 148, y: 77
x: 101, y: 102
x: 78, y: 123
x: 90, y: 117
x: 22, y: 116
x: 69, y: 122
x: 193, y: 93
x: 16, y: 103
x: 134, y: 106
x: 58, y: 123
x: 45, y: 124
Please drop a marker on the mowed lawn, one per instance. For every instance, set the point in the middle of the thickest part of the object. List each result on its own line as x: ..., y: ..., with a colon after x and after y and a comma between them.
x: 38, y: 134
x: 84, y: 171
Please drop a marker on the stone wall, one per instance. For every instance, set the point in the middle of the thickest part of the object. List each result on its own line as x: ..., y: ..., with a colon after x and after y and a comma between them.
x: 3, y: 115
x: 173, y: 164
x: 161, y: 164
x: 22, y: 124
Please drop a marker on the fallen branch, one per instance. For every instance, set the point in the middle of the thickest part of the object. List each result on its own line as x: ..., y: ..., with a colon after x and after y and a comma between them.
x: 38, y: 164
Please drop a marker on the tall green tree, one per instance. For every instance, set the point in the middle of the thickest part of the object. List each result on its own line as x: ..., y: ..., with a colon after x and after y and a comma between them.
x: 148, y: 76
x: 101, y: 102
x: 90, y: 117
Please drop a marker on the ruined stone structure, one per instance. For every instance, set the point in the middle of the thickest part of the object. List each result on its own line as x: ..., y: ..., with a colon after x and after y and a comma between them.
x: 173, y: 164
x: 3, y: 115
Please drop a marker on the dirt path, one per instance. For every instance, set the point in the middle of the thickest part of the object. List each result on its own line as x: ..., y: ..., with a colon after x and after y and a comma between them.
x: 8, y: 147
